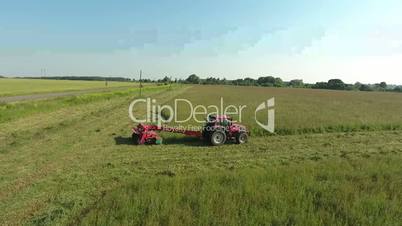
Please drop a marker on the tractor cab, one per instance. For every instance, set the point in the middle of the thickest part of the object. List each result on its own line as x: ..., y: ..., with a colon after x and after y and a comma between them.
x: 222, y: 120
x: 216, y: 121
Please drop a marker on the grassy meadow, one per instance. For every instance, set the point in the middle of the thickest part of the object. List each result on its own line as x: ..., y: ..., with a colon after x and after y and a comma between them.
x: 12, y: 111
x: 13, y: 86
x: 299, y: 111
x: 70, y: 161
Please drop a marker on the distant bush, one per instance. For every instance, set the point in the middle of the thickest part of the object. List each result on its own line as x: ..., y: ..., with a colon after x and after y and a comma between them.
x: 364, y: 87
x: 297, y: 83
x: 335, y: 84
x: 320, y: 85
x: 398, y: 89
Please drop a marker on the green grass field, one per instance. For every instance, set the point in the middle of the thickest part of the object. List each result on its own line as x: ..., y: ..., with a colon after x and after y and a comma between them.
x: 306, y: 110
x: 13, y: 87
x: 71, y: 162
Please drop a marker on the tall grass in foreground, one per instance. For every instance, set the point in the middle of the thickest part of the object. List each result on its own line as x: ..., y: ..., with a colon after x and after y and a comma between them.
x: 362, y: 192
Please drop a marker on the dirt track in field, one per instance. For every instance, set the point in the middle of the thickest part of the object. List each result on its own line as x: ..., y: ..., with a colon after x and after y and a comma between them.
x: 40, y: 96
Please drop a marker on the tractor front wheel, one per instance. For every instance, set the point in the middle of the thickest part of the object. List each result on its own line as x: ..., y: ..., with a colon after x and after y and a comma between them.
x: 241, y: 138
x: 218, y: 138
x: 135, y: 138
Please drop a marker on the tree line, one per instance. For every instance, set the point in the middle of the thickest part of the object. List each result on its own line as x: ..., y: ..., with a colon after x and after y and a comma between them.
x: 264, y: 81
x: 270, y: 81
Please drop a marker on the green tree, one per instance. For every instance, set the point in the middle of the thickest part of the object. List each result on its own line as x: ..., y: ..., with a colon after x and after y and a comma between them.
x: 250, y: 81
x: 165, y: 80
x: 398, y: 89
x: 320, y: 85
x: 296, y: 83
x: 336, y: 84
x: 193, y: 79
x: 266, y: 81
x: 278, y: 82
x: 365, y: 87
x: 357, y: 85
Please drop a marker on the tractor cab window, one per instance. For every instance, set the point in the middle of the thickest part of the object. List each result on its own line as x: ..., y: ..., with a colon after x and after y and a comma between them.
x: 225, y: 122
x: 211, y: 118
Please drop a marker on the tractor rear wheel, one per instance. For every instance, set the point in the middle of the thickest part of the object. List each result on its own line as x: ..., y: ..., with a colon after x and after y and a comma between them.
x: 218, y: 138
x: 241, y: 138
x: 135, y: 138
x: 151, y: 141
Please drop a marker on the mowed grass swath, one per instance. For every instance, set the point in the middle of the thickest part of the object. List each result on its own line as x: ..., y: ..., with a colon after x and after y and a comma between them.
x: 10, y: 86
x: 303, y: 110
x: 32, y: 167
x: 76, y: 164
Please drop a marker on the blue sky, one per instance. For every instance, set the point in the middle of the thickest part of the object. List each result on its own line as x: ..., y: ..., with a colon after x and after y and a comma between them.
x: 310, y: 40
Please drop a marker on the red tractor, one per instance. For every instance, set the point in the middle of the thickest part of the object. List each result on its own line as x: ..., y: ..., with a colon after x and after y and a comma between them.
x: 217, y: 131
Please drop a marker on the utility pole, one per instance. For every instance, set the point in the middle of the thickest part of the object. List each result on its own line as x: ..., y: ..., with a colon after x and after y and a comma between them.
x: 140, y: 82
x: 43, y: 72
